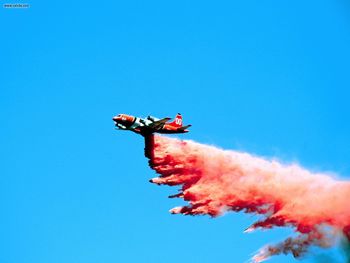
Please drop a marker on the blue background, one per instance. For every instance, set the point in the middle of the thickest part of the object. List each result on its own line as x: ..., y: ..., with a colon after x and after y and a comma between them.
x: 268, y: 77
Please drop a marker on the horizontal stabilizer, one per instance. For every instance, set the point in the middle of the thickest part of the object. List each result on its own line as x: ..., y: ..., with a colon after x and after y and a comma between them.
x: 184, y: 127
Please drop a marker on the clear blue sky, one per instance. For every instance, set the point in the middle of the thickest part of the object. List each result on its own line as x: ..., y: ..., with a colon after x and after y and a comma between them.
x: 268, y: 77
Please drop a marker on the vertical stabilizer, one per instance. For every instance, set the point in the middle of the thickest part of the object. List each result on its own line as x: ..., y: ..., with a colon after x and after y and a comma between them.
x: 177, y: 121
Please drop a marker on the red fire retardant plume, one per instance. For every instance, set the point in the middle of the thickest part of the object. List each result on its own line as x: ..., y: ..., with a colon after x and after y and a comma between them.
x: 214, y: 181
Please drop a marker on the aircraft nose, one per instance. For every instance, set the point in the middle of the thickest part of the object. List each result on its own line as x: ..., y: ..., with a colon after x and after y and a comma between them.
x: 115, y: 118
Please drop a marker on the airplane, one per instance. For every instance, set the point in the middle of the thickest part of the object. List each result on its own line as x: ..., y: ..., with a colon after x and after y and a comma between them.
x: 150, y: 124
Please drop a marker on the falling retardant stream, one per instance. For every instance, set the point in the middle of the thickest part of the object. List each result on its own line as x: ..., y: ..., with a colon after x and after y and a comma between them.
x: 214, y: 181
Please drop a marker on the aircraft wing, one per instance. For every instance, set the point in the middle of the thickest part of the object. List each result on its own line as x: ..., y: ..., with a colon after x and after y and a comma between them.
x: 158, y: 124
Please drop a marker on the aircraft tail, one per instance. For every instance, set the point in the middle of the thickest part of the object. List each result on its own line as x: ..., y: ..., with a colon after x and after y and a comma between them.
x: 177, y: 121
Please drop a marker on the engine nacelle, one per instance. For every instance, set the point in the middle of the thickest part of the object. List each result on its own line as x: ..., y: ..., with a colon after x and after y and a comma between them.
x: 151, y: 118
